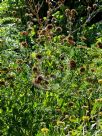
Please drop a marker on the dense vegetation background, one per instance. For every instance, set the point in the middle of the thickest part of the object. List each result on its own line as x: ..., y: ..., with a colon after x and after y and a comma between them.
x: 51, y: 68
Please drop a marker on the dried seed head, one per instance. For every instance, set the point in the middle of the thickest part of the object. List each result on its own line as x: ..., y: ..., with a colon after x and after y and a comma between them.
x: 67, y: 12
x: 74, y: 12
x: 38, y: 56
x: 82, y: 69
x: 24, y: 33
x: 94, y: 6
x: 99, y: 45
x: 39, y: 79
x: 24, y: 44
x: 49, y: 26
x: 69, y: 37
x: 88, y: 8
x: 35, y: 69
x: 71, y: 42
x: 43, y: 32
x: 2, y: 82
x: 58, y: 29
x: 72, y: 64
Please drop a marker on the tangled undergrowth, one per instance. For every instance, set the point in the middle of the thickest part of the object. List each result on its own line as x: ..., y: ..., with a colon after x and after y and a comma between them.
x: 50, y: 83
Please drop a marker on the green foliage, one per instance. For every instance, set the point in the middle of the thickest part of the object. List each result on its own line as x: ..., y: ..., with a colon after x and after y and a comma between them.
x: 50, y: 82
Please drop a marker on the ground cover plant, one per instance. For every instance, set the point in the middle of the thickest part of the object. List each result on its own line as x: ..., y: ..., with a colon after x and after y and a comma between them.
x: 50, y: 68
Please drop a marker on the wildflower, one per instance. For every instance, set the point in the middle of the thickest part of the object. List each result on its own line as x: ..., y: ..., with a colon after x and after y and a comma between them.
x: 44, y: 130
x: 85, y: 118
x: 60, y: 123
x: 100, y: 81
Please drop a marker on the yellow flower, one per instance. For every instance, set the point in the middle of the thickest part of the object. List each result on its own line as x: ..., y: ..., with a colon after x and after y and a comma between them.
x: 85, y: 118
x: 100, y: 81
x: 60, y: 123
x: 44, y: 130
